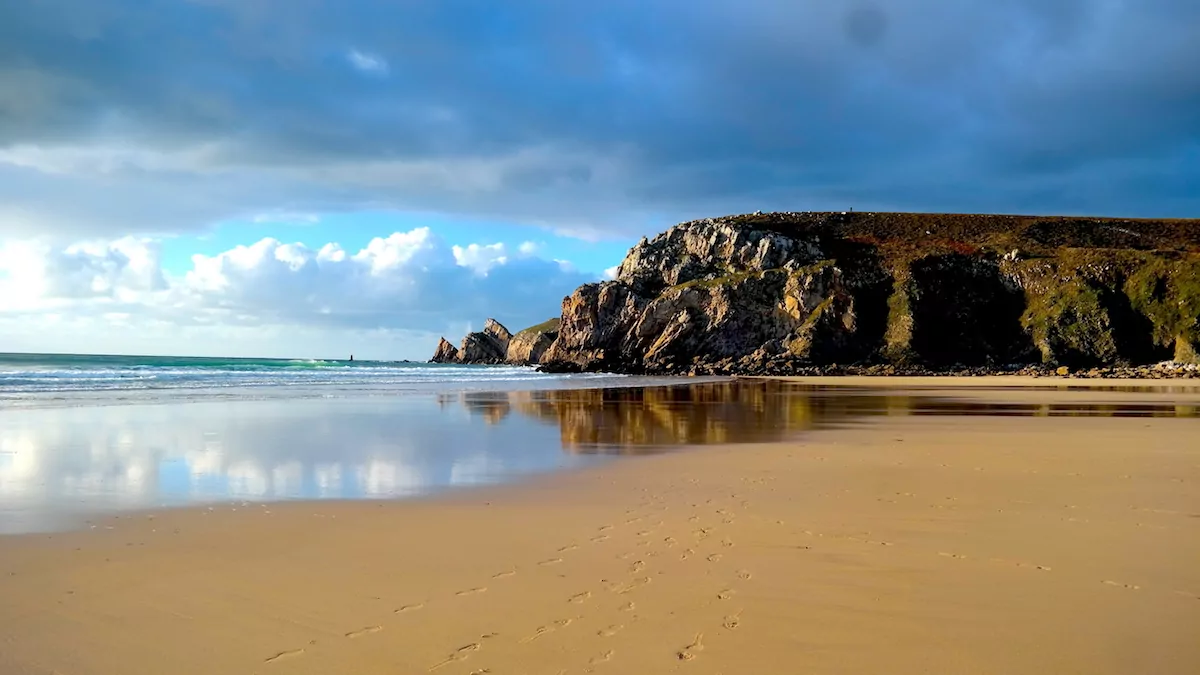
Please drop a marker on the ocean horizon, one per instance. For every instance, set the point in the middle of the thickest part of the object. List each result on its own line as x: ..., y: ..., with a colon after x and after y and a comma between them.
x: 37, y: 380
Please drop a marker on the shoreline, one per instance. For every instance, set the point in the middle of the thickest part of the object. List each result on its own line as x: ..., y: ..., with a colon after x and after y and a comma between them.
x: 906, y: 544
x: 1106, y: 396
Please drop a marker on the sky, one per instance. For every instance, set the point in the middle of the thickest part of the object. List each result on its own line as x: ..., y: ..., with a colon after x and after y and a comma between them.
x: 312, y: 178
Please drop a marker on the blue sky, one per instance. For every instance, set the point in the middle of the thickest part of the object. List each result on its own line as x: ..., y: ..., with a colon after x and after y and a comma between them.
x: 285, y: 177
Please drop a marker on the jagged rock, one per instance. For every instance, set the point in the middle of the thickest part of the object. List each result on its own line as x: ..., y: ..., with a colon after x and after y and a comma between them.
x: 593, y: 330
x: 529, y: 346
x: 489, y: 345
x: 880, y: 293
x: 498, y: 333
x: 480, y: 348
x: 445, y: 352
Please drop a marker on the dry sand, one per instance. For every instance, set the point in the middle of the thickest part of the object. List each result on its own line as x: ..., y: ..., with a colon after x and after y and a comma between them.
x: 911, y: 545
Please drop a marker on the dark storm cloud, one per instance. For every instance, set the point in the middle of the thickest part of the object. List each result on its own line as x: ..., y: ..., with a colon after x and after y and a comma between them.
x: 168, y: 114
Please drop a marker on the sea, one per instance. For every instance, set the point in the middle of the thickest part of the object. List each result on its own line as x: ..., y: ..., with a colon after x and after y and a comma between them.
x: 44, y: 380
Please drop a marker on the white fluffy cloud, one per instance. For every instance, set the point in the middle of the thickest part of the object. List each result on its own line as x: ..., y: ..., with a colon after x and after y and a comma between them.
x: 409, y: 283
x: 118, y: 270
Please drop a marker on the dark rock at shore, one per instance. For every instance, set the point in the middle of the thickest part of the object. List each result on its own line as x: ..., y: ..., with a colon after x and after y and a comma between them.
x: 445, y: 352
x: 487, y: 346
x: 807, y: 293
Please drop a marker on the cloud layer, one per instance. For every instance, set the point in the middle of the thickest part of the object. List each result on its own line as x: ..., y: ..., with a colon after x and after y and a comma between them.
x: 409, y: 282
x: 166, y: 115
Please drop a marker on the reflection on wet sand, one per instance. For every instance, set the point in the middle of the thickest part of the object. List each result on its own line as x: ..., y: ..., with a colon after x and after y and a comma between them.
x: 636, y: 420
x: 58, y: 465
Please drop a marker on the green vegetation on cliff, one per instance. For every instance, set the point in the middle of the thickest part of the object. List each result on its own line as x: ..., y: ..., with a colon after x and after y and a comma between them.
x: 779, y: 291
x: 548, y: 326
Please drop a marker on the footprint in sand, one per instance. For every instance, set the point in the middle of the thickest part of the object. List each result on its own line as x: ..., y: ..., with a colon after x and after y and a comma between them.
x: 727, y: 543
x: 691, y: 651
x: 629, y: 586
x: 410, y: 608
x: 637, y: 566
x: 628, y: 607
x: 744, y: 575
x: 284, y: 655
x: 714, y: 557
x: 610, y: 631
x: 686, y: 554
x: 551, y: 561
x: 460, y: 654
x: 725, y: 594
x: 472, y: 591
x: 669, y: 541
x: 363, y: 631
x: 597, y: 540
x: 644, y: 533
x: 563, y: 623
x: 733, y: 620
x: 580, y: 598
x: 505, y: 574
x: 568, y: 547
x: 604, y: 528
x: 956, y: 556
x: 537, y: 633
x: 603, y: 658
x: 1118, y: 584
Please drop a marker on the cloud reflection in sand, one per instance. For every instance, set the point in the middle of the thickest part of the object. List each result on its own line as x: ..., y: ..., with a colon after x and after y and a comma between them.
x: 58, y: 464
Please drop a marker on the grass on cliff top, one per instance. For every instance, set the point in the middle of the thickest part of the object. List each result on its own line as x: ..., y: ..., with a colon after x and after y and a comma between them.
x: 735, y: 277
x: 962, y: 233
x: 725, y: 280
x: 548, y: 326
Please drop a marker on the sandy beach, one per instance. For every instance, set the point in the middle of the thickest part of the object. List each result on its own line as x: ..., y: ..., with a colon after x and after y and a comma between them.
x: 904, y: 544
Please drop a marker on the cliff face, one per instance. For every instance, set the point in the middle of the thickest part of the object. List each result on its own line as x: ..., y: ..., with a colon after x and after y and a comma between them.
x: 530, y: 345
x: 767, y: 293
x: 489, y: 345
x: 495, y: 344
x: 445, y: 352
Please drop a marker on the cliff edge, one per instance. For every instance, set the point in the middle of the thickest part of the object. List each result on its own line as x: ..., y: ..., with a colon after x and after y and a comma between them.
x: 781, y: 292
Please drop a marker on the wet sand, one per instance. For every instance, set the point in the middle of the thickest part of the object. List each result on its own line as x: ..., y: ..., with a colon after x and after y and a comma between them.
x: 911, y: 544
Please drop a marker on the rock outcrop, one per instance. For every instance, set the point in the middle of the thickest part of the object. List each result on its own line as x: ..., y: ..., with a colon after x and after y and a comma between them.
x: 792, y: 292
x: 445, y: 352
x: 529, y: 346
x: 770, y: 292
x: 489, y: 345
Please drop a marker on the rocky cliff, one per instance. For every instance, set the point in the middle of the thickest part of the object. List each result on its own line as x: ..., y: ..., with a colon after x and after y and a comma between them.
x: 529, y: 346
x: 495, y: 344
x: 788, y: 292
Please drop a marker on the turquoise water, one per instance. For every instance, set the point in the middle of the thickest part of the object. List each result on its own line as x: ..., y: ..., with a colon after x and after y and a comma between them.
x: 75, y: 379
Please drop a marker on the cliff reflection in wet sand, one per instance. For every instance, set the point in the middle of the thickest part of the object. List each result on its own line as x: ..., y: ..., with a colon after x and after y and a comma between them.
x: 635, y: 420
